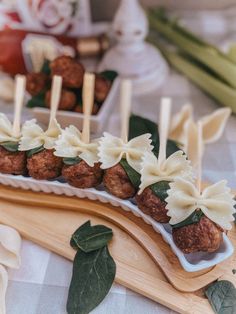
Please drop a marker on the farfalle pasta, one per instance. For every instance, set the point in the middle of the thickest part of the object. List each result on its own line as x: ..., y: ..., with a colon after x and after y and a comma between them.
x: 6, y: 130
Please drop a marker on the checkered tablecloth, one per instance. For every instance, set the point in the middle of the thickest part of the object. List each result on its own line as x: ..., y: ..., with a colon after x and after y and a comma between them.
x: 41, y: 285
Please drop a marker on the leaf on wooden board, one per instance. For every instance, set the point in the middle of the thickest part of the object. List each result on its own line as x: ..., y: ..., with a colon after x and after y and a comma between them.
x: 222, y: 297
x: 90, y: 238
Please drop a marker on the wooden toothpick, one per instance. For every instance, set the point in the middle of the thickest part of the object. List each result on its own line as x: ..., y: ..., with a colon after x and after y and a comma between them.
x: 88, y: 102
x: 55, y: 97
x: 125, y: 107
x: 20, y: 82
x: 164, y: 123
x: 199, y: 155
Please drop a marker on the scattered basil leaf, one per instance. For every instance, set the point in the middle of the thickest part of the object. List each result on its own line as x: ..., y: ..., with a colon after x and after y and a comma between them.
x: 34, y: 151
x: 46, y: 67
x: 194, y: 218
x: 71, y: 161
x: 90, y: 238
x: 133, y: 175
x: 234, y: 271
x: 92, y: 278
x: 109, y: 75
x: 139, y: 126
x: 11, y: 146
x: 222, y: 297
x: 160, y: 189
x: 37, y: 100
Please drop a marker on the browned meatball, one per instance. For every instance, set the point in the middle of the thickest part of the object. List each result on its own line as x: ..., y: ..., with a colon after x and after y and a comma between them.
x: 82, y: 176
x: 151, y: 205
x: 95, y: 109
x: 72, y: 72
x: 203, y: 236
x: 44, y: 165
x: 118, y: 183
x: 102, y: 88
x: 35, y: 83
x: 67, y: 100
x: 12, y: 162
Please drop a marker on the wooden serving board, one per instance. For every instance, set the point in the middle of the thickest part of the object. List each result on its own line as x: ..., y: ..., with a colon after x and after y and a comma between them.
x: 145, y: 263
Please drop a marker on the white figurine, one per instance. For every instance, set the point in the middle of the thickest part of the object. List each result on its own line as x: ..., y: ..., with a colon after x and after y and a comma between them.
x: 132, y: 57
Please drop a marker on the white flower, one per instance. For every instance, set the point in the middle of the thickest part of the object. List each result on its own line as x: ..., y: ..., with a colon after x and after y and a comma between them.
x: 215, y: 201
x: 173, y: 167
x: 70, y: 144
x: 112, y: 149
x: 33, y: 135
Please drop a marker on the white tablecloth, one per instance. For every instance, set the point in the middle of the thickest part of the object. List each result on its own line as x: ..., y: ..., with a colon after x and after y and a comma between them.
x: 41, y: 285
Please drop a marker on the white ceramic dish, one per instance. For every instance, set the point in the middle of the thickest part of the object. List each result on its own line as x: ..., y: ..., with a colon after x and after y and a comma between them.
x: 98, y: 121
x: 190, y: 262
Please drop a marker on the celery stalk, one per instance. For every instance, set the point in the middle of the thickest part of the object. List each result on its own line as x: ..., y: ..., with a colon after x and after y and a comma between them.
x: 220, y: 91
x: 189, y: 43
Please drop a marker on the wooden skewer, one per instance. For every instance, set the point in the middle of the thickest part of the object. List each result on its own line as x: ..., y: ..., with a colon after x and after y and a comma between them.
x: 55, y: 97
x: 125, y: 107
x: 20, y: 82
x: 199, y: 155
x: 164, y: 128
x: 88, y: 102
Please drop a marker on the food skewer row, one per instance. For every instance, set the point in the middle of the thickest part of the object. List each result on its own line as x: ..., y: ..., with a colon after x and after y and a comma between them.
x: 165, y: 184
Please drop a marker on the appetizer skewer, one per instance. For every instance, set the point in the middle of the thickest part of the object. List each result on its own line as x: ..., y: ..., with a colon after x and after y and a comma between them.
x: 42, y: 164
x: 113, y: 151
x: 199, y: 218
x: 81, y: 168
x: 157, y: 173
x: 12, y: 161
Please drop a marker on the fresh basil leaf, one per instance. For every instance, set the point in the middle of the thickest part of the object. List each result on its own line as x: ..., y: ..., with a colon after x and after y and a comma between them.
x: 11, y: 146
x: 194, y: 218
x: 90, y: 238
x: 133, y: 175
x: 46, y: 67
x: 37, y: 100
x: 92, y: 278
x: 34, y: 151
x: 234, y: 271
x: 139, y: 126
x: 171, y: 148
x: 71, y: 161
x: 109, y: 75
x: 222, y: 297
x: 160, y: 189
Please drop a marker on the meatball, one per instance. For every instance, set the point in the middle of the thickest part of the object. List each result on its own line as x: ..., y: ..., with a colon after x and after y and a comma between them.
x: 152, y: 205
x: 12, y: 162
x: 102, y: 88
x: 82, y: 176
x: 67, y: 100
x: 72, y: 72
x: 95, y: 109
x: 117, y: 182
x: 44, y: 165
x: 203, y: 236
x: 35, y: 83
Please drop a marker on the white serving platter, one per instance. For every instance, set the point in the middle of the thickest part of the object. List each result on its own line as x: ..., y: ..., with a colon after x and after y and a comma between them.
x: 98, y: 121
x: 190, y: 262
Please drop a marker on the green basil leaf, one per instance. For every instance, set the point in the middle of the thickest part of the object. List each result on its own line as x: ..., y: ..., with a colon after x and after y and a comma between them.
x: 46, y: 67
x: 160, y: 189
x: 92, y: 278
x: 37, y: 100
x: 171, y: 148
x: 133, y: 175
x: 34, y: 151
x: 139, y: 126
x: 90, y: 238
x: 194, y: 218
x: 11, y: 146
x: 71, y: 161
x: 109, y: 75
x: 222, y: 297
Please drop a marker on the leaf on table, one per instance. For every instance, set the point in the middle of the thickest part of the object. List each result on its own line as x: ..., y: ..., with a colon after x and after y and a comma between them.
x: 93, y: 275
x: 90, y: 238
x: 222, y: 297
